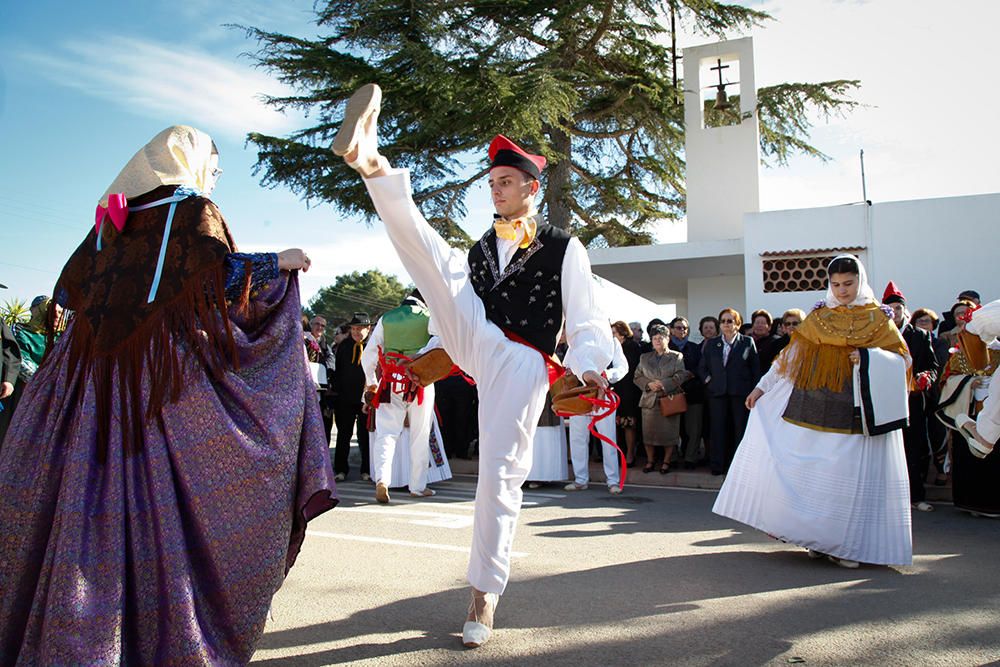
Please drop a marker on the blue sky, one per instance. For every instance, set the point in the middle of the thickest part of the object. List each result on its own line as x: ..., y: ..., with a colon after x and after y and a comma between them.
x: 84, y: 85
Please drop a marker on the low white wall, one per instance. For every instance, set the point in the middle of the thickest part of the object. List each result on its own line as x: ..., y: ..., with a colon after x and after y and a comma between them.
x: 707, y: 296
x: 931, y: 248
x: 935, y: 248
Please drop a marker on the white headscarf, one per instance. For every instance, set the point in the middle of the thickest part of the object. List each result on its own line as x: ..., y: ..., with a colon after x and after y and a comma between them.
x: 865, y: 293
x: 179, y: 155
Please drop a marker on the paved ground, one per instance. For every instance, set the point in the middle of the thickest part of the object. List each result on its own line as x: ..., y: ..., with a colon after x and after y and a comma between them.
x: 651, y: 577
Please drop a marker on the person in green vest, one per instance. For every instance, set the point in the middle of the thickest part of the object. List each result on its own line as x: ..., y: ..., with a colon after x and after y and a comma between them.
x: 31, y: 341
x: 31, y: 336
x: 402, y: 333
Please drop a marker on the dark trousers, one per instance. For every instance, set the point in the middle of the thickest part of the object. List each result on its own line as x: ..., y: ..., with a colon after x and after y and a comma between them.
x: 691, y: 422
x: 457, y: 410
x: 917, y: 445
x: 348, y: 416
x: 728, y: 415
x: 326, y: 406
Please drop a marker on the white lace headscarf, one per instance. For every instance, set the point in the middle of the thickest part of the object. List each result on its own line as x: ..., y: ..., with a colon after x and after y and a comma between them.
x: 179, y: 155
x: 865, y: 293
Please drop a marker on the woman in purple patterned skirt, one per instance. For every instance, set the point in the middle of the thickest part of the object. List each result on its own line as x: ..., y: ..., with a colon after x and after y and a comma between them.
x: 157, y: 478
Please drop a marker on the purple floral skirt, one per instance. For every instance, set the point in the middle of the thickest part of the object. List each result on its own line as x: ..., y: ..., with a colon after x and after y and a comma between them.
x: 169, y: 555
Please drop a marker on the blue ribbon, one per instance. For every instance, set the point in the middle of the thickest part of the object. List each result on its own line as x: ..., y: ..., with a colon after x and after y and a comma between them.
x: 180, y: 194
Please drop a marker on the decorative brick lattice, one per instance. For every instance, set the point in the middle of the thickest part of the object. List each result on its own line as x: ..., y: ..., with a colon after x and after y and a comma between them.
x: 796, y: 273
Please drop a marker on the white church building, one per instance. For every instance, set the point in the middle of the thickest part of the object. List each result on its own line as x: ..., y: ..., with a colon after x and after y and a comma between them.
x: 739, y: 256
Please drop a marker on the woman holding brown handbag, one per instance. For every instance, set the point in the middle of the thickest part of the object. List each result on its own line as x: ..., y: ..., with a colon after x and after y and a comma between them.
x: 660, y: 374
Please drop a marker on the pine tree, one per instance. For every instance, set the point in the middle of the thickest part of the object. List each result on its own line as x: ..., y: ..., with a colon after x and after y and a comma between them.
x: 590, y: 84
x: 371, y: 292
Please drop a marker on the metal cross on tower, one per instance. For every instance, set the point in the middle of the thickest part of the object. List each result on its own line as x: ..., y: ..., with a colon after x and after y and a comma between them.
x: 721, y: 102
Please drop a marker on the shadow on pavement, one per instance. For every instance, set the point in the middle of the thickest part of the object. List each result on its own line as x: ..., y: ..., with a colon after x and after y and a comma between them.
x: 665, y: 587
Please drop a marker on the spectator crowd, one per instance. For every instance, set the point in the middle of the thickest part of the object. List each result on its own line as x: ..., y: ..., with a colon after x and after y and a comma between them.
x: 714, y: 366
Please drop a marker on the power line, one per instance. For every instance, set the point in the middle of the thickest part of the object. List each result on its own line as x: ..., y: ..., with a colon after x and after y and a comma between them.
x: 29, y: 268
x: 382, y: 305
x: 34, y: 205
x: 344, y: 292
x: 36, y: 217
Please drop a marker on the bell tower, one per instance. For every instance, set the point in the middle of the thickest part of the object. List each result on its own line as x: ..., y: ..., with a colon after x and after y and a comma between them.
x: 722, y: 139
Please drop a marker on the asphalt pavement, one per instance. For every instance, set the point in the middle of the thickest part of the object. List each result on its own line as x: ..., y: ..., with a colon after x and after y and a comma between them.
x: 650, y: 577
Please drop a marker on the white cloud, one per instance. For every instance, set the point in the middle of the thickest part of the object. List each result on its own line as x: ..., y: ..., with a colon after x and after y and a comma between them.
x: 167, y: 82
x: 359, y: 249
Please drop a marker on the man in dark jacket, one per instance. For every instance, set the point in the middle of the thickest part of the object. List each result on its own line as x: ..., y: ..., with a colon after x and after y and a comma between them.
x: 10, y: 366
x: 925, y: 368
x: 694, y: 391
x: 349, y: 388
x: 730, y: 369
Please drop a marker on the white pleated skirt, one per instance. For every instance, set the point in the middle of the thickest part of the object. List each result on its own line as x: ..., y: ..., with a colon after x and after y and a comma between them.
x: 549, y: 455
x: 438, y: 470
x: 843, y: 495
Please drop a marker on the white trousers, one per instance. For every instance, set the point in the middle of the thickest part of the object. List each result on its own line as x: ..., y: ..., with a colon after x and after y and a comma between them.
x: 579, y: 450
x: 511, y: 377
x: 389, y: 422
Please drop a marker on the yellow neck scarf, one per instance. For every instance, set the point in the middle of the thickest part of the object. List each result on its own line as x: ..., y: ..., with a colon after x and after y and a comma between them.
x: 356, y: 353
x: 817, y: 356
x: 522, y: 230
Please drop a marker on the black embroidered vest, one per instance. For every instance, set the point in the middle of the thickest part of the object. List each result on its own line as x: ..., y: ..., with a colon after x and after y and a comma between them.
x: 526, y: 299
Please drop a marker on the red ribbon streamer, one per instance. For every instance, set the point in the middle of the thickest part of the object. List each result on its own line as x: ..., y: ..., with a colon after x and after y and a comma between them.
x: 395, y: 379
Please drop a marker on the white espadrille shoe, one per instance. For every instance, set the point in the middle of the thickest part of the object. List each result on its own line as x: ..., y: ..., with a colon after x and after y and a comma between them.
x: 479, y: 625
x: 358, y: 132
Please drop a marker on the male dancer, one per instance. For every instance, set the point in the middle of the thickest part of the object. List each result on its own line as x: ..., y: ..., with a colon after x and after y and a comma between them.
x: 518, y: 284
x: 400, y: 331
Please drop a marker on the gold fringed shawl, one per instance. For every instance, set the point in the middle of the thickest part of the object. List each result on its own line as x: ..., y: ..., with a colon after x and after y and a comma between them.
x: 818, y: 355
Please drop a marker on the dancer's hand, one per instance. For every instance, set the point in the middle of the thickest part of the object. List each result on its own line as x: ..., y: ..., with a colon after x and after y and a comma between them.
x: 293, y: 259
x: 595, y: 379
x: 6, y: 389
x: 753, y: 397
x: 855, y: 357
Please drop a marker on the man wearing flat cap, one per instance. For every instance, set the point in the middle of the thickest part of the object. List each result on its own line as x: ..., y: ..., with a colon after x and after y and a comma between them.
x: 498, y: 311
x: 349, y: 388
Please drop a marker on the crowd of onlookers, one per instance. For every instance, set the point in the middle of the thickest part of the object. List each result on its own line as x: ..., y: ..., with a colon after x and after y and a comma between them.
x: 720, y: 363
x: 715, y: 366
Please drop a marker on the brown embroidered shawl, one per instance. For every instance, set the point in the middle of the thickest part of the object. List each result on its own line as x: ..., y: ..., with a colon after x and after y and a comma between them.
x: 116, y: 334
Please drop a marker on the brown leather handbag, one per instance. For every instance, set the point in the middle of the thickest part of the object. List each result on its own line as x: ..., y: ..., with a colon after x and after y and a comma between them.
x: 673, y: 404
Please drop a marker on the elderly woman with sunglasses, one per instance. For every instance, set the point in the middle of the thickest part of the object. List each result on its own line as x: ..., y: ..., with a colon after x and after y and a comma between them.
x: 660, y: 373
